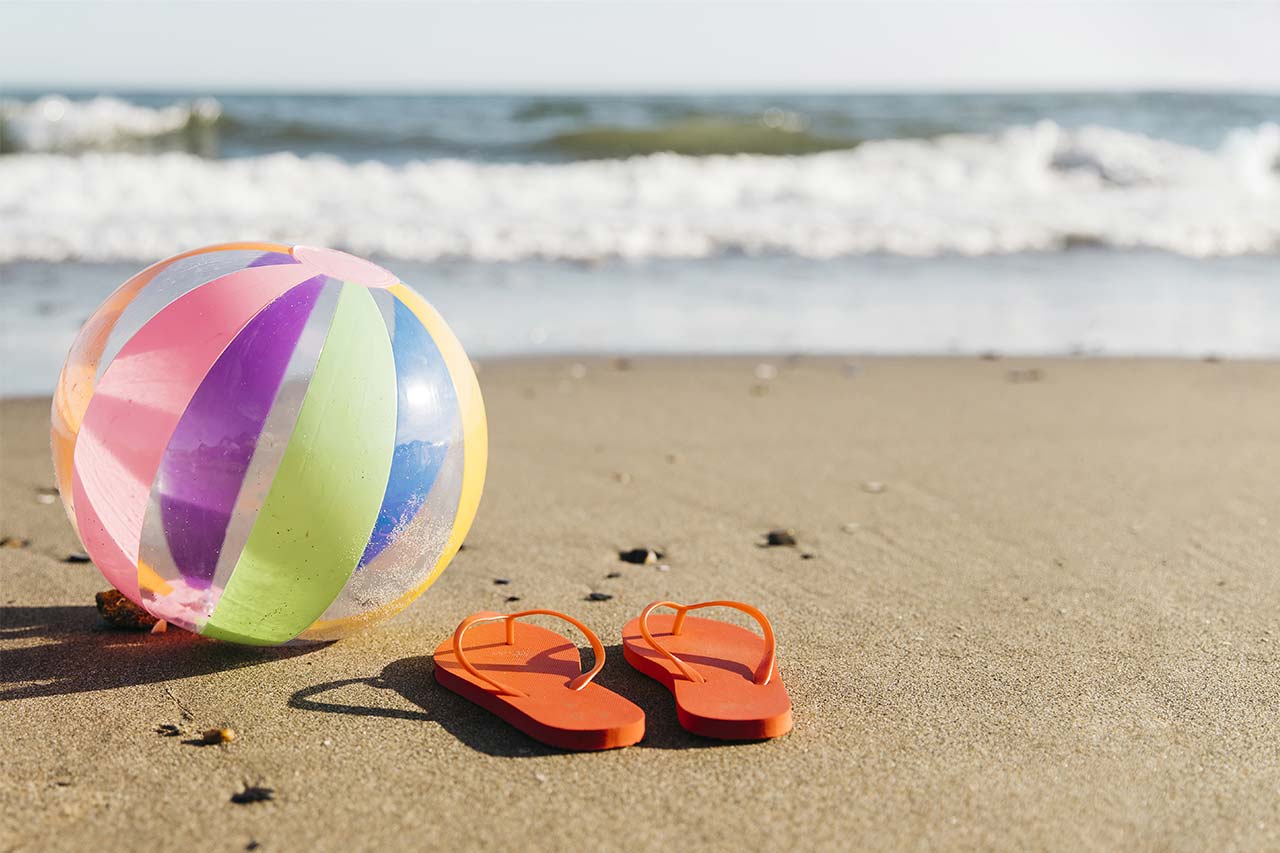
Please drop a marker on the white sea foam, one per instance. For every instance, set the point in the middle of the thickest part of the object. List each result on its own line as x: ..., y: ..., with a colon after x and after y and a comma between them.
x: 56, y: 123
x: 1038, y: 188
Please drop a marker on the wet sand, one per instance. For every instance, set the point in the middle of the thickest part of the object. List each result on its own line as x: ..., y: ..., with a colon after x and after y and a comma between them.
x: 1042, y: 610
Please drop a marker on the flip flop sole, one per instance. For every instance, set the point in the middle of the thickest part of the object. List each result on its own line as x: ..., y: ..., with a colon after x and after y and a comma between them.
x: 539, y: 664
x: 728, y: 705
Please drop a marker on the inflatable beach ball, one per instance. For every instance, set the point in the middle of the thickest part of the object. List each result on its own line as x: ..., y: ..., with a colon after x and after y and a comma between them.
x: 257, y: 443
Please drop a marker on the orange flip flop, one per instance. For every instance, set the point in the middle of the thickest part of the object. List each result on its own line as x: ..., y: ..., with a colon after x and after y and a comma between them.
x: 542, y: 693
x: 724, y: 678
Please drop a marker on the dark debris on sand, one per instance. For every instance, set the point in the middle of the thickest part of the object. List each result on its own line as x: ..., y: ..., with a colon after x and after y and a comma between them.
x: 780, y: 538
x: 641, y: 556
x: 168, y: 730
x: 78, y: 557
x: 14, y: 542
x: 253, y: 794
x: 512, y: 599
x: 119, y: 612
x: 613, y: 575
x: 501, y: 581
x: 599, y: 596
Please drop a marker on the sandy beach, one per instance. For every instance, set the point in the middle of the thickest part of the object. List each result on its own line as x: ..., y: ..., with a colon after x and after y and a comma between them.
x: 1034, y: 604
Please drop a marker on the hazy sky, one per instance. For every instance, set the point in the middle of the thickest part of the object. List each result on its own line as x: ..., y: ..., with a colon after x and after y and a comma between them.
x: 640, y: 45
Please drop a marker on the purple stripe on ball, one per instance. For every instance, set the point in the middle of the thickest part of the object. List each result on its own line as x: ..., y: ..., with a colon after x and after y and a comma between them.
x: 272, y: 258
x: 209, y: 453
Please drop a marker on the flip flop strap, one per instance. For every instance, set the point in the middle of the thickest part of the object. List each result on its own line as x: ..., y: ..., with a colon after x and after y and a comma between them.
x: 576, y: 683
x: 764, y: 671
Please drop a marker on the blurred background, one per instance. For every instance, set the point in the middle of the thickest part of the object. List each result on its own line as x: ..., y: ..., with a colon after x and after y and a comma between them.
x: 643, y: 177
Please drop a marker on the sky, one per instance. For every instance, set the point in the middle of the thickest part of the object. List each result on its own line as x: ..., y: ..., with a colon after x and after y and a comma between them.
x: 611, y: 45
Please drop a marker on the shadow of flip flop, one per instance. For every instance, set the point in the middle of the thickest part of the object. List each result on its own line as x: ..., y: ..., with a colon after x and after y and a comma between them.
x: 413, y: 679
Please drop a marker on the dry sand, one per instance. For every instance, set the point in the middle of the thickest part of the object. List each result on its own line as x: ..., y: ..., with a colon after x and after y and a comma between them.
x: 1056, y: 626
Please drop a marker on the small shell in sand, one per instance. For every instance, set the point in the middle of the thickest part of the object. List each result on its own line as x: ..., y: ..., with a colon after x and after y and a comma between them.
x: 119, y: 612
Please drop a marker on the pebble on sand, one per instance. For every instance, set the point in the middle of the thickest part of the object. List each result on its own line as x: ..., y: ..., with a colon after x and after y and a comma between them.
x: 641, y: 556
x: 599, y: 596
x: 253, y: 794
x: 78, y: 557
x: 501, y: 581
x: 14, y: 542
x: 851, y: 527
x: 119, y: 612
x: 779, y: 537
x: 873, y: 487
x: 1025, y: 374
x: 212, y: 737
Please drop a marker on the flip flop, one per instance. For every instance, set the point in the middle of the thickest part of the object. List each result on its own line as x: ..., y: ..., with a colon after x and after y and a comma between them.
x: 542, y: 692
x: 725, y: 679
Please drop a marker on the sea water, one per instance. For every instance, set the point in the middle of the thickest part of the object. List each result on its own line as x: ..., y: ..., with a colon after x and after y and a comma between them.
x: 1123, y: 223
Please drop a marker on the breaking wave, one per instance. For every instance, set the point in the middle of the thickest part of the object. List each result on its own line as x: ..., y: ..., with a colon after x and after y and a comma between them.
x: 1029, y: 188
x: 56, y: 123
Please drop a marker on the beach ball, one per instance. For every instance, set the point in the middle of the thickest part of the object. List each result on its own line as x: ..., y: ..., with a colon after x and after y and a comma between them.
x: 257, y: 442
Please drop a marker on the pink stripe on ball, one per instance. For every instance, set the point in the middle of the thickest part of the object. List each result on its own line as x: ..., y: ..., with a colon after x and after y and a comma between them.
x: 344, y: 267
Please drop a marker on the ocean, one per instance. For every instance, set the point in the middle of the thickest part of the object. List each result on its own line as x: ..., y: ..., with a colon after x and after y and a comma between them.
x: 1117, y: 223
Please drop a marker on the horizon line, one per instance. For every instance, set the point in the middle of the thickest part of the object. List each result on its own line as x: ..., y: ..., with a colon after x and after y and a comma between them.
x: 631, y: 91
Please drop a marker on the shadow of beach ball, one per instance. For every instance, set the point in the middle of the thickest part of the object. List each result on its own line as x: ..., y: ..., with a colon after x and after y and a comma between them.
x: 257, y: 443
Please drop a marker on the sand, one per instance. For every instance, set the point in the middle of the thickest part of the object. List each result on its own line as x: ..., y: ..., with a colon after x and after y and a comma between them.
x: 1054, y: 623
